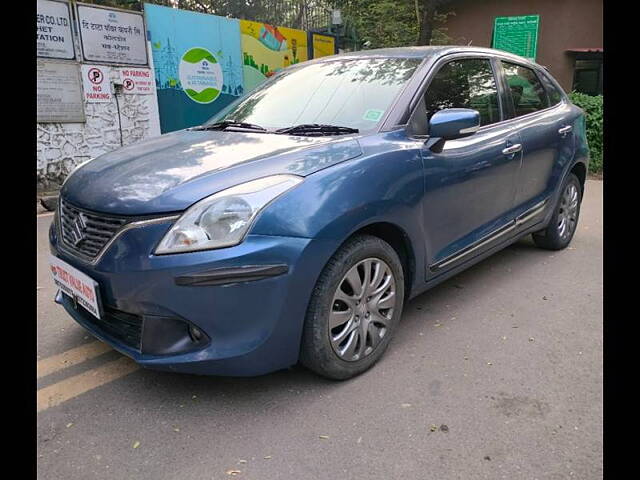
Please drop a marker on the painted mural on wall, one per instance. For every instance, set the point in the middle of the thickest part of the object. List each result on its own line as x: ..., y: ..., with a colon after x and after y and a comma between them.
x: 267, y: 49
x: 197, y: 64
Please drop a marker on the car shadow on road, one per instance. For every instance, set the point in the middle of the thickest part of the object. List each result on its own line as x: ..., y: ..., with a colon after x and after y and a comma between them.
x: 458, y: 289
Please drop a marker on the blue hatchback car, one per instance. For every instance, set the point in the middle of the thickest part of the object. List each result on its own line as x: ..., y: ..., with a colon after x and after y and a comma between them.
x: 294, y: 225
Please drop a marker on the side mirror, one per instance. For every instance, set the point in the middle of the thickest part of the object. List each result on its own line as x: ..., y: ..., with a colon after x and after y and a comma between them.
x: 453, y: 123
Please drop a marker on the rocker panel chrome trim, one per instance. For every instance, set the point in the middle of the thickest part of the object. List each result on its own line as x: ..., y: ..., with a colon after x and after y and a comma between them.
x: 500, y: 232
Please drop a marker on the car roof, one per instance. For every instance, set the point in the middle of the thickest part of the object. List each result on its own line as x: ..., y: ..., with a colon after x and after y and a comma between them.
x: 425, y: 52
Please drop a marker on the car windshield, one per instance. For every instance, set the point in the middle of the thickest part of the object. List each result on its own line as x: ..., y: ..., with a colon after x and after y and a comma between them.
x: 353, y: 93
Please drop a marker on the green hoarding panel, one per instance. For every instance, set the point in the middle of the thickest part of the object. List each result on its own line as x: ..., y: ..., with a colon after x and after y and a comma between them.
x: 517, y: 35
x: 197, y: 62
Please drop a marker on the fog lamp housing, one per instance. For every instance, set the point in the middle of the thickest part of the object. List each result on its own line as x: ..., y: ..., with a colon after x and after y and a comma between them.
x: 168, y: 335
x: 195, y: 333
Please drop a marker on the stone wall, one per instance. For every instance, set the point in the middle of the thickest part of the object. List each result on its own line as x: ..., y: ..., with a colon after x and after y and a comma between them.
x: 61, y: 146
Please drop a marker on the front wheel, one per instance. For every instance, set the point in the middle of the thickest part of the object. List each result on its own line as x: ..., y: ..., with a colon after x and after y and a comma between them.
x: 354, y: 309
x: 564, y: 221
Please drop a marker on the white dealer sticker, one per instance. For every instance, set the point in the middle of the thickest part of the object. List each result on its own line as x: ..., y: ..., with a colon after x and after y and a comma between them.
x: 76, y: 284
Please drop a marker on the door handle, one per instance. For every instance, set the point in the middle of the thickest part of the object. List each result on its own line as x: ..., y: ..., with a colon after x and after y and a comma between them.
x: 564, y: 130
x: 512, y: 149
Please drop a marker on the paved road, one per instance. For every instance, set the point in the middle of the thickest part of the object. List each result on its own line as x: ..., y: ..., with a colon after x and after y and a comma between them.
x: 504, y: 361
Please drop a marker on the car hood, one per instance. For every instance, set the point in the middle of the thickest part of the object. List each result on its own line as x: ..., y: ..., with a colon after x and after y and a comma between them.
x: 171, y: 172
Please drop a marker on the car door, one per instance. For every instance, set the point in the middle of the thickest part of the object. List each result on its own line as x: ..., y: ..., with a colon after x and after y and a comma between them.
x: 470, y: 185
x: 546, y: 134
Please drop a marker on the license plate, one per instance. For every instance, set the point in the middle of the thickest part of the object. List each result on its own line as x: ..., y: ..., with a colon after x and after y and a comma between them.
x: 80, y: 287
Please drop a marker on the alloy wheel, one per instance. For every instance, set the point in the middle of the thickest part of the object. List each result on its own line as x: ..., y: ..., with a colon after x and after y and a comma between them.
x: 362, y: 309
x: 568, y: 213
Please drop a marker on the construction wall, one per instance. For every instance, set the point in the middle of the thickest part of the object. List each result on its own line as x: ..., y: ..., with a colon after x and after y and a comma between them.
x: 202, y: 64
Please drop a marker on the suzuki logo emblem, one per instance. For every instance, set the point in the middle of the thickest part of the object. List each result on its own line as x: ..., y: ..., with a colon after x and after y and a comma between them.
x: 77, y: 231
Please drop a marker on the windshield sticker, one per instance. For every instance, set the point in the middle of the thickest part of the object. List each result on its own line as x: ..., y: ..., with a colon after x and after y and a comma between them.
x: 373, y: 114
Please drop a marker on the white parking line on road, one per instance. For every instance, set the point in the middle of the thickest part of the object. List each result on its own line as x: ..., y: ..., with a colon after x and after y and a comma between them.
x: 71, y: 357
x: 69, y: 388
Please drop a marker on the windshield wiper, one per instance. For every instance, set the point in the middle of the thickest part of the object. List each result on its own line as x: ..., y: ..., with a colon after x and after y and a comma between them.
x: 316, y: 130
x: 230, y: 123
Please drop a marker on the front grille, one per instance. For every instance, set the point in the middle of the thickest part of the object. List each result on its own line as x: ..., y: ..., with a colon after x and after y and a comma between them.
x: 125, y: 327
x: 121, y: 326
x: 86, y: 233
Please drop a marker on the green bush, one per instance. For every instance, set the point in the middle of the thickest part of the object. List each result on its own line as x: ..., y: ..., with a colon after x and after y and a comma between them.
x: 592, y: 106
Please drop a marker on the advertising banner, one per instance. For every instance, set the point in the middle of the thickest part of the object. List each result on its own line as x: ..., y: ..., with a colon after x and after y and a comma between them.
x: 53, y: 30
x: 323, y: 45
x: 111, y: 36
x: 196, y: 58
x: 267, y: 49
x: 58, y: 92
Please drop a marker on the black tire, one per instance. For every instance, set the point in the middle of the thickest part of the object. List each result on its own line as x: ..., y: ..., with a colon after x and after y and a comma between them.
x: 317, y: 353
x: 550, y: 238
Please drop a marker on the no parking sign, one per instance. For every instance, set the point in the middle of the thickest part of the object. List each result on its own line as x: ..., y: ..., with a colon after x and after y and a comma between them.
x: 137, y: 80
x: 129, y: 84
x: 96, y: 83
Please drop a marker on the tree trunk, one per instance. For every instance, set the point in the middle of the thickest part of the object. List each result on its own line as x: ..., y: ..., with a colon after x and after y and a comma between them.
x: 426, y: 25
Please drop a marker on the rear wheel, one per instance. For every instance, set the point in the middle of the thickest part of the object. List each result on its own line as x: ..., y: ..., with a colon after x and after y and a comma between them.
x: 354, y: 309
x: 564, y: 221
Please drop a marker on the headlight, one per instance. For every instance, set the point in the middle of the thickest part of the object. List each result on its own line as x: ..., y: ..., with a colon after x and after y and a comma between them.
x: 223, y: 219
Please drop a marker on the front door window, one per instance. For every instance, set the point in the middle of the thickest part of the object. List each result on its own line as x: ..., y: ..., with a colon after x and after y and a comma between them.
x: 467, y: 83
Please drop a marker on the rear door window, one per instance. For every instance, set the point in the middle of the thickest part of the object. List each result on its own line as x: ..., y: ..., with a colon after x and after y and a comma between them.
x: 466, y: 83
x: 527, y: 93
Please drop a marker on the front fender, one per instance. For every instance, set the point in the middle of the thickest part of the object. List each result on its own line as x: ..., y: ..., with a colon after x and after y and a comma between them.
x: 384, y: 185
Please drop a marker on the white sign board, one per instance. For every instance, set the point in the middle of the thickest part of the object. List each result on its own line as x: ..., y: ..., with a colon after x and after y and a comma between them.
x: 82, y: 288
x: 111, y: 36
x: 59, y: 94
x: 53, y: 30
x: 96, y: 83
x: 137, y: 80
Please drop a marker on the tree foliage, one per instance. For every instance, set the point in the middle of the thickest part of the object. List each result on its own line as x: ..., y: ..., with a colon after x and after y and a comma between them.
x: 383, y: 23
x: 303, y: 14
x: 398, y: 23
x: 592, y: 106
x: 377, y: 23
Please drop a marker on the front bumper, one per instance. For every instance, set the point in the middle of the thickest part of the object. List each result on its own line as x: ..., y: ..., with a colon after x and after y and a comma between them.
x: 253, y: 324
